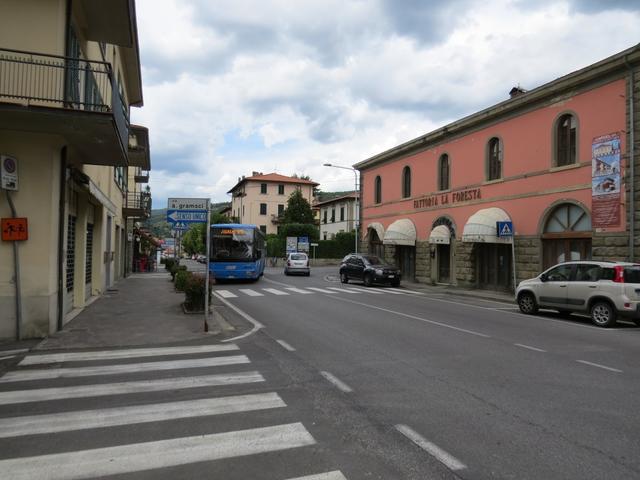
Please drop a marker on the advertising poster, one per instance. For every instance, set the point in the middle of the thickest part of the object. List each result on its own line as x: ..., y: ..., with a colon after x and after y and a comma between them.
x: 605, y: 181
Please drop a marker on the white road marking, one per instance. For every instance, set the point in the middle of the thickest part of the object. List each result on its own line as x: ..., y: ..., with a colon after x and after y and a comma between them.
x: 251, y: 293
x: 599, y: 366
x: 404, y: 290
x: 256, y: 324
x: 367, y: 290
x: 336, y: 475
x: 141, y: 386
x: 322, y: 290
x: 433, y: 322
x: 275, y: 291
x: 286, y: 346
x: 159, y: 454
x: 8, y: 357
x: 109, y: 417
x: 123, y: 353
x: 226, y: 294
x: 393, y: 291
x: 14, y: 352
x: 528, y: 347
x: 343, y: 290
x: 337, y: 382
x: 41, y: 374
x: 299, y: 290
x: 449, y: 460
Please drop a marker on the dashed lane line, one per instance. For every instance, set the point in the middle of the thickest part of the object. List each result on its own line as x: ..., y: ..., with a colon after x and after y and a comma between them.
x: 444, y: 457
x: 529, y: 347
x: 286, y: 346
x: 337, y: 382
x: 604, y: 367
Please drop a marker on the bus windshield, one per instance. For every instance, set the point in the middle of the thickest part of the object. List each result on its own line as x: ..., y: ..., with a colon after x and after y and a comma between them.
x: 232, y: 244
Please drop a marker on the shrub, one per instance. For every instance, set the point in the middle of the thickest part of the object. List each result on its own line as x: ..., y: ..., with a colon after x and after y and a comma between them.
x: 194, y: 292
x: 181, y: 279
x: 169, y: 263
x: 175, y: 269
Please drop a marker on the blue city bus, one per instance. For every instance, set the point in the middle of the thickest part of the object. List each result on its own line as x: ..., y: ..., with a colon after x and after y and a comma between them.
x: 237, y: 251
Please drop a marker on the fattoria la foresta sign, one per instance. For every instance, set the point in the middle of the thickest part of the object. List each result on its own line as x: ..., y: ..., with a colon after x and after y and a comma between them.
x: 448, y: 198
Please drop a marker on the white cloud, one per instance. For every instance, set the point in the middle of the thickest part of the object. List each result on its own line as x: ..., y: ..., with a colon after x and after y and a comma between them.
x: 238, y: 86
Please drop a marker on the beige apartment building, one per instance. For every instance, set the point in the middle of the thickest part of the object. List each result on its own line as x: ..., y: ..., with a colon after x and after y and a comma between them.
x: 337, y: 215
x: 261, y: 199
x: 69, y: 73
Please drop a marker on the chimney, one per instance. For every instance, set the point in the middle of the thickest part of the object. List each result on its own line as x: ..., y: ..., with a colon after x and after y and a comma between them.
x: 256, y: 174
x: 516, y: 91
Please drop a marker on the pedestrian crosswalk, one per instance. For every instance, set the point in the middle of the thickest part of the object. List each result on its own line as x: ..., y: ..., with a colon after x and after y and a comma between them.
x: 58, y: 395
x: 261, y: 292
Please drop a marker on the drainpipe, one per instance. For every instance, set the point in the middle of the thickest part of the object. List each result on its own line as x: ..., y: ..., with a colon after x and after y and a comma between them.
x: 632, y: 189
x: 61, y: 254
x: 16, y: 266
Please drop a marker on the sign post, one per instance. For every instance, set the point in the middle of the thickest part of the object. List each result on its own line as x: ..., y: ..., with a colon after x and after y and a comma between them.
x: 181, y: 214
x: 505, y: 230
x: 206, y: 278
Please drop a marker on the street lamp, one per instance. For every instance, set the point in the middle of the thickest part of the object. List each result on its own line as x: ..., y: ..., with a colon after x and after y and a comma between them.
x: 355, y: 174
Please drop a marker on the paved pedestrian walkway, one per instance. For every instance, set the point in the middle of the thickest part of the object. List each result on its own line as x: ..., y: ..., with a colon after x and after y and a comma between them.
x: 139, y: 310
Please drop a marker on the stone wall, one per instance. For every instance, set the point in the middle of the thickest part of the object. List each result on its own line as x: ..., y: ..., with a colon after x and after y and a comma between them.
x: 528, y: 257
x: 610, y: 246
x: 423, y: 262
x: 465, y: 270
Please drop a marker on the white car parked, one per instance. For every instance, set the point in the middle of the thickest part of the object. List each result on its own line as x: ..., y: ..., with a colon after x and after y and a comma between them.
x: 604, y: 290
x: 297, y: 263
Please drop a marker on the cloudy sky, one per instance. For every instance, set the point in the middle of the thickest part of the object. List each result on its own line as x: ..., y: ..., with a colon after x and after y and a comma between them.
x: 235, y: 86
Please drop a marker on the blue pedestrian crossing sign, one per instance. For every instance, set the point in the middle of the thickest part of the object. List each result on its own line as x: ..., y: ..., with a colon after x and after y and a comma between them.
x: 504, y: 229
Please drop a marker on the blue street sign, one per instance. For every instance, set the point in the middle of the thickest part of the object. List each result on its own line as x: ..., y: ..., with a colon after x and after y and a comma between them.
x: 504, y: 229
x: 182, y: 219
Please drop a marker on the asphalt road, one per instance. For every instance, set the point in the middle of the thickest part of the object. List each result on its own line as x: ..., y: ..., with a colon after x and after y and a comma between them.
x: 408, y: 384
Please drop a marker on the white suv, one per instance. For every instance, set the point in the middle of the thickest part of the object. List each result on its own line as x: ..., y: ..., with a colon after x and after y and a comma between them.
x: 605, y: 290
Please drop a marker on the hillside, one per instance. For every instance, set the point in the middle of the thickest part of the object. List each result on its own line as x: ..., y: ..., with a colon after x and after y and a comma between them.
x: 157, y: 222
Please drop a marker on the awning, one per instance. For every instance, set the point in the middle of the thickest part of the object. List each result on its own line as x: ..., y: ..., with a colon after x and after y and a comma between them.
x: 481, y: 226
x: 440, y: 234
x: 378, y: 228
x: 400, y: 232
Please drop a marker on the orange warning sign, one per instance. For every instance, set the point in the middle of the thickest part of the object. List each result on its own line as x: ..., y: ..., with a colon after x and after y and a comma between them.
x: 14, y: 229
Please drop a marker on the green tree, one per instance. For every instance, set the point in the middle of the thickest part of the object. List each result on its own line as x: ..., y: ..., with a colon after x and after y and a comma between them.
x: 298, y: 209
x: 219, y: 218
x: 192, y: 239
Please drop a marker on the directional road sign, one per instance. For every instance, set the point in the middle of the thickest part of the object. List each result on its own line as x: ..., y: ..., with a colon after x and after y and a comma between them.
x: 186, y: 216
x: 187, y: 203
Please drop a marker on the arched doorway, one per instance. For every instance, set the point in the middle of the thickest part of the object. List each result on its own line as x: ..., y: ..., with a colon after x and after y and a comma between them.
x: 441, y: 239
x: 375, y: 234
x: 566, y: 235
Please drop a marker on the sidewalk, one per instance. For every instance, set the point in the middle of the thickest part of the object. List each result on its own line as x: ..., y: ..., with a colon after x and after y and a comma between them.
x: 467, y: 292
x: 141, y: 309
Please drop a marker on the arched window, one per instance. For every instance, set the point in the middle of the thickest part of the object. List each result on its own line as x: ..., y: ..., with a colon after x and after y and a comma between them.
x: 443, y: 172
x: 565, y: 140
x: 406, y: 182
x: 566, y: 235
x: 378, y: 190
x: 494, y: 159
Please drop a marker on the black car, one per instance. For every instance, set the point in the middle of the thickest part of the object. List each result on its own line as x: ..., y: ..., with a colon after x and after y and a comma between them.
x: 369, y: 269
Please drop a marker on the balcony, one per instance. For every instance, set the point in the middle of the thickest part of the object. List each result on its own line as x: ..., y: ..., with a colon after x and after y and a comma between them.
x: 143, y: 177
x: 139, y: 155
x: 277, y: 219
x: 75, y: 98
x: 137, y: 205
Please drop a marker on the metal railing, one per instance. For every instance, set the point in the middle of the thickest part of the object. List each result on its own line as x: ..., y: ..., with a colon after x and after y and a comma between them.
x: 38, y: 79
x: 138, y: 201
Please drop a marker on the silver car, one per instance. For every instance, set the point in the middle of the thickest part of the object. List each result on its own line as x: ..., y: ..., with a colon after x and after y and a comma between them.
x: 604, y: 290
x: 297, y: 263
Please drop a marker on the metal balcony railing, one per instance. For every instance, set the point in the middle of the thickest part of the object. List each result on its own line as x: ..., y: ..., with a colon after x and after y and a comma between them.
x: 137, y: 204
x: 54, y: 81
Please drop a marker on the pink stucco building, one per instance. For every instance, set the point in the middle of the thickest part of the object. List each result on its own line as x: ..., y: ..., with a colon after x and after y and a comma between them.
x: 552, y: 164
